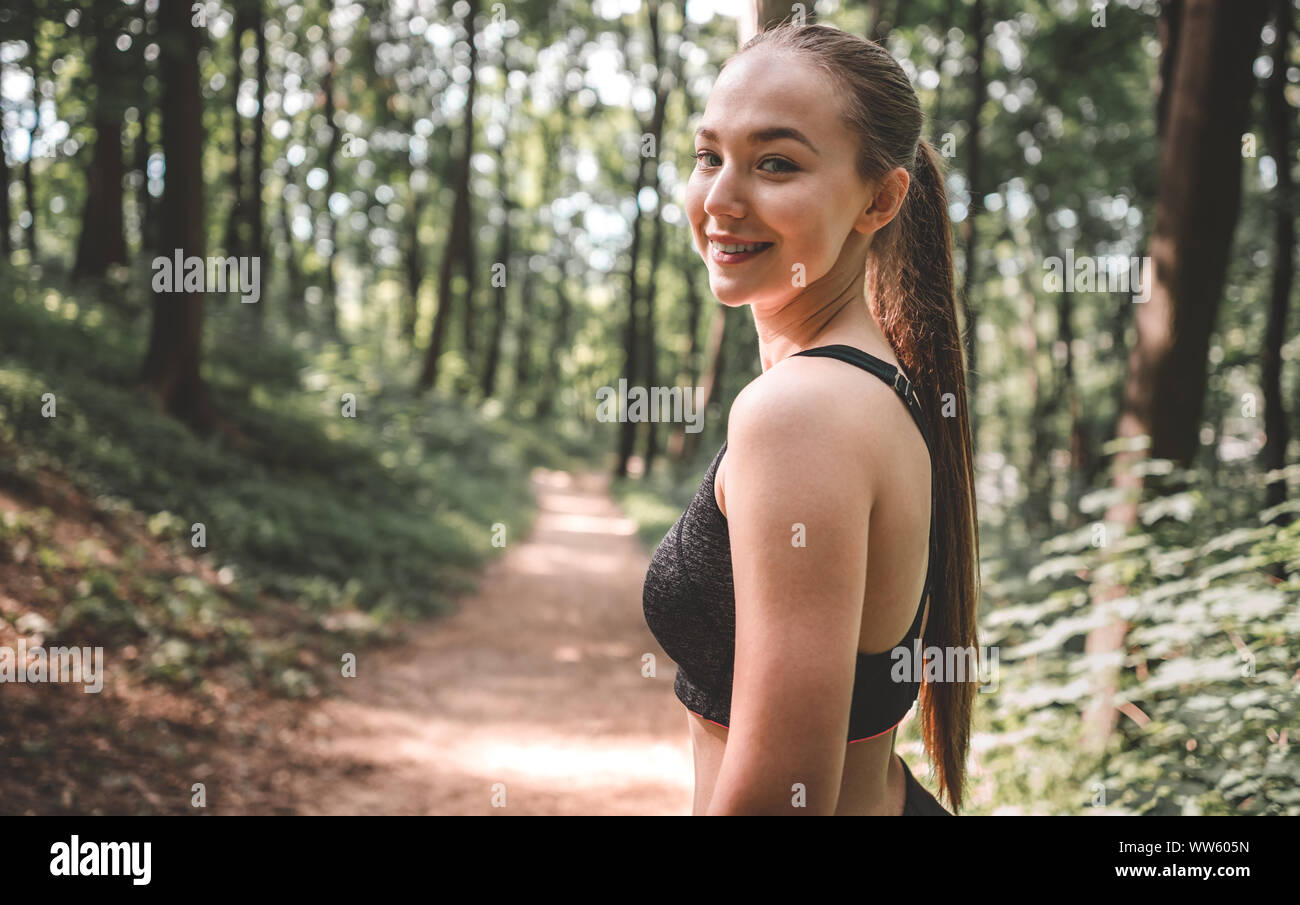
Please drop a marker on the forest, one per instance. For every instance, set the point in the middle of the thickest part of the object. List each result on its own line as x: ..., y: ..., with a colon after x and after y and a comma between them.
x: 302, y: 301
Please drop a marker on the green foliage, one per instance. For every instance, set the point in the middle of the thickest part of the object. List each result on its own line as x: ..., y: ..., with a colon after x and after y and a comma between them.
x: 389, y: 512
x: 1207, y: 677
x: 399, y: 500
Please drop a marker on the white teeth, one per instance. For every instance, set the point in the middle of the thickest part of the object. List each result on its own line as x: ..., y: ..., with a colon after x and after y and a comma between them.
x: 736, y: 249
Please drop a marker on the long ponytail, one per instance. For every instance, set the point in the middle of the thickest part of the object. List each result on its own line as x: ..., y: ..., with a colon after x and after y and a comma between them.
x: 909, y: 283
x: 910, y: 287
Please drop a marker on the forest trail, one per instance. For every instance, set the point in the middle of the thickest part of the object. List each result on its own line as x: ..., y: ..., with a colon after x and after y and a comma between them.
x: 535, y: 682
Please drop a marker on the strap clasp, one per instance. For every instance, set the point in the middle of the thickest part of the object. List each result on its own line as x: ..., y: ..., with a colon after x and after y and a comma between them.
x: 902, y: 385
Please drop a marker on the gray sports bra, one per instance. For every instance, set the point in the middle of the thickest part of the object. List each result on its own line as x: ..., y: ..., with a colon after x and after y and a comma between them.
x: 689, y: 600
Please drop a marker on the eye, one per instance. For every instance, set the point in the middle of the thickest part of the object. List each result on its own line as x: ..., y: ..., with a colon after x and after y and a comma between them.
x: 701, y: 154
x: 791, y: 168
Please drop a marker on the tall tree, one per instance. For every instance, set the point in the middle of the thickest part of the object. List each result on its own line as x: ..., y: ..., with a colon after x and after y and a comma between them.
x: 29, y: 179
x: 940, y: 57
x: 1279, y: 115
x: 171, y: 366
x: 256, y: 210
x: 103, y: 237
x: 140, y: 164
x: 245, y: 225
x: 1209, y: 81
x: 331, y: 177
x: 459, y: 245
x: 554, y: 140
x: 633, y: 353
x: 234, y: 240
x: 969, y: 226
x: 500, y: 280
x: 6, y: 247
x: 665, y: 79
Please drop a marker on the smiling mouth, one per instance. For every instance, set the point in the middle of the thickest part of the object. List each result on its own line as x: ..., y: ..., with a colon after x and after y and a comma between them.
x: 730, y: 253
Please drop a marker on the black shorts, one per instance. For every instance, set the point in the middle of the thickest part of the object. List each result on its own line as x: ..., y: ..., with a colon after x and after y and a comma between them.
x: 918, y: 801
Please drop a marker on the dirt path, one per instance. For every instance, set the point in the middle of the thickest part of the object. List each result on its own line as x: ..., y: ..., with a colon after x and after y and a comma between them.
x: 535, y: 683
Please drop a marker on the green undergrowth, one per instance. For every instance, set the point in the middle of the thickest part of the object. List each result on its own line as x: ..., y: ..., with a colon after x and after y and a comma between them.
x: 1208, y: 677
x: 328, y: 484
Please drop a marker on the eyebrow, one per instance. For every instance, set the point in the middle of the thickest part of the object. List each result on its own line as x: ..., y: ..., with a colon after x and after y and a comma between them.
x: 759, y: 136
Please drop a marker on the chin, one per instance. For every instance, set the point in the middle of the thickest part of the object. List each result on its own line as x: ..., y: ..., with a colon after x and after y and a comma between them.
x: 730, y: 296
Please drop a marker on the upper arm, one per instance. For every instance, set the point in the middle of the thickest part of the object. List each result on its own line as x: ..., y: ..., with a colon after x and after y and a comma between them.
x: 798, y: 498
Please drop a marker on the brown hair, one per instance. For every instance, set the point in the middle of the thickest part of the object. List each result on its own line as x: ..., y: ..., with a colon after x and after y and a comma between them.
x: 909, y: 282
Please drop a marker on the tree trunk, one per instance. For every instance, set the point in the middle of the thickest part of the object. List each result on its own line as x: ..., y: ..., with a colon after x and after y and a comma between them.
x: 414, y: 262
x: 469, y: 338
x: 664, y: 81
x: 1279, y: 115
x: 1197, y: 204
x: 523, y: 331
x: 1194, y: 224
x: 171, y: 366
x: 650, y: 354
x: 459, y: 238
x: 1068, y: 391
x: 970, y: 241
x: 634, y: 354
x: 936, y: 113
x: 551, y: 373
x: 234, y: 238
x: 295, y: 307
x: 6, y: 247
x: 500, y: 286
x: 29, y: 182
x: 504, y: 251
x: 331, y: 163
x: 552, y: 142
x: 103, y: 237
x: 143, y: 200
x: 256, y: 209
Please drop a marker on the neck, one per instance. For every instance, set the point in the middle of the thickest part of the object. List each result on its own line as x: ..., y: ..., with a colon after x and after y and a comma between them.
x: 832, y: 310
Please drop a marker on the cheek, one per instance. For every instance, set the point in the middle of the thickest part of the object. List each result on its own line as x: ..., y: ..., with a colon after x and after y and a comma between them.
x: 694, y: 202
x: 806, y: 232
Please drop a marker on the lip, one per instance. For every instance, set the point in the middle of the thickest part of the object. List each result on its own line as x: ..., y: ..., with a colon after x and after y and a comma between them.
x: 718, y: 256
x: 728, y: 239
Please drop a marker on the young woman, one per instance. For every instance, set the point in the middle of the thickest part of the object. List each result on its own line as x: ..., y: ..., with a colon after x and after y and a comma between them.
x: 844, y: 493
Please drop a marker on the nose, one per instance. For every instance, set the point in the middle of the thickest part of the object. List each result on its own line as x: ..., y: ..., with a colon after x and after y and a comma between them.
x: 725, y: 197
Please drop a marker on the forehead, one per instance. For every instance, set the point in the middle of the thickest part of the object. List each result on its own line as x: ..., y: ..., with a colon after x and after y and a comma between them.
x: 766, y: 87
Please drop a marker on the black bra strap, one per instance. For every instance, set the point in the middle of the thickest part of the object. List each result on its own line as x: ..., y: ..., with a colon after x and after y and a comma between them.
x: 907, y: 391
x: 882, y: 369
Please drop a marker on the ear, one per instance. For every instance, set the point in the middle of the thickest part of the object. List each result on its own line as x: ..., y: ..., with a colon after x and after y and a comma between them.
x: 886, y: 201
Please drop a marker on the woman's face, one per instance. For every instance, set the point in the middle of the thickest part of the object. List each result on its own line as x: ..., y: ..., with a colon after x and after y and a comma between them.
x: 776, y: 167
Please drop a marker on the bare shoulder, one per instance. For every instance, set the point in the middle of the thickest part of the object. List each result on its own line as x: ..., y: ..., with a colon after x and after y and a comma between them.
x: 811, y: 401
x: 801, y: 426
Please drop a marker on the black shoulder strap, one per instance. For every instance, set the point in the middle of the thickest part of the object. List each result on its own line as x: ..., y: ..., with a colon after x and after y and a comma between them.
x: 882, y: 369
x: 907, y: 391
